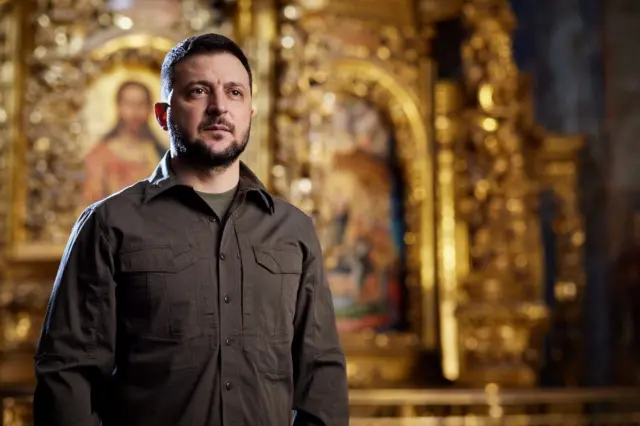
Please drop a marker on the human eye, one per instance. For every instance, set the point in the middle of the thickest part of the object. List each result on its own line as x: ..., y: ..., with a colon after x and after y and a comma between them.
x: 235, y: 93
x: 197, y: 91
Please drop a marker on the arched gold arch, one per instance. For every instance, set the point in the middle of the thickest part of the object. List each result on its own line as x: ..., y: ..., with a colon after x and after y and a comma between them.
x: 375, y: 84
x: 140, y: 42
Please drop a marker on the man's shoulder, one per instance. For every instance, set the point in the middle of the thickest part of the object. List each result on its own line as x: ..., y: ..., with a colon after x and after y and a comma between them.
x: 295, y: 217
x: 298, y: 222
x: 284, y: 207
x: 127, y: 199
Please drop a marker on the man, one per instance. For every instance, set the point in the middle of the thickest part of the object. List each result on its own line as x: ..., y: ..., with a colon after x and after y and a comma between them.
x: 194, y: 297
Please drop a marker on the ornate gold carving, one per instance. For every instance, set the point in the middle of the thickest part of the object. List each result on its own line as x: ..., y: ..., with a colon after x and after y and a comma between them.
x: 5, y: 137
x: 17, y: 412
x: 256, y: 32
x: 53, y: 97
x: 323, y: 57
x: 380, y: 360
x: 376, y: 11
x: 500, y: 308
x: 10, y: 83
x: 73, y: 41
x: 21, y: 307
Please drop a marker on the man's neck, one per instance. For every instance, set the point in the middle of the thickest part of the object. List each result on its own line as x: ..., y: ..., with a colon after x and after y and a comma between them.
x: 207, y: 181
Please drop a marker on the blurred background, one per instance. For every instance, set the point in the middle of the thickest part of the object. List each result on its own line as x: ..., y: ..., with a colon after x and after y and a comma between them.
x: 471, y: 166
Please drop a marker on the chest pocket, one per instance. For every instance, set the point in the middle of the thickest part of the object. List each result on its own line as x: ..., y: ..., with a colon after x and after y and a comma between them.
x: 277, y: 280
x: 157, y: 292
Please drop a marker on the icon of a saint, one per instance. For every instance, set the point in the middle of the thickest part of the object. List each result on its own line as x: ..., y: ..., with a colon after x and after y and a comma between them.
x: 127, y: 153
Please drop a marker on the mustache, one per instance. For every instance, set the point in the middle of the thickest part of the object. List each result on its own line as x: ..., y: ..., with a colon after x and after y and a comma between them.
x: 218, y: 121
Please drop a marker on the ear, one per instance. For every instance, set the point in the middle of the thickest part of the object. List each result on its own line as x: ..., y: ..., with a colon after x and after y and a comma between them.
x: 160, y: 109
x: 253, y: 111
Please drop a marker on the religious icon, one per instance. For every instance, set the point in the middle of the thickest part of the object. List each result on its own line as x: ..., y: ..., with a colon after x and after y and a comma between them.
x: 361, y: 224
x: 147, y: 13
x: 131, y: 147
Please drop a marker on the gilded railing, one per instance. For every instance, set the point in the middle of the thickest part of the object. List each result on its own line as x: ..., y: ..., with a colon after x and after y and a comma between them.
x: 491, y: 406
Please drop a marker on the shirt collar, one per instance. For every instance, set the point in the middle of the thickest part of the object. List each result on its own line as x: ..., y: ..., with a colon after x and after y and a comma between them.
x: 163, y: 178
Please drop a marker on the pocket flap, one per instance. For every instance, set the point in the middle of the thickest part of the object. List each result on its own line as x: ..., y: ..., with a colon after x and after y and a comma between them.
x: 158, y: 259
x: 278, y: 261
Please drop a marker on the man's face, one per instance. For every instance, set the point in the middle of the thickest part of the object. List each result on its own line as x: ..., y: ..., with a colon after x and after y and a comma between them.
x: 209, y: 114
x: 134, y: 107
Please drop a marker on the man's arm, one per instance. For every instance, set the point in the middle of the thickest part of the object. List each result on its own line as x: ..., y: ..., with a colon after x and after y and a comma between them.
x: 320, y: 381
x: 75, y: 354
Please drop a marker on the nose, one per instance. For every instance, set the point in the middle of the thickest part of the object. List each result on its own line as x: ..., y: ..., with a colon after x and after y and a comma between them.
x: 217, y: 102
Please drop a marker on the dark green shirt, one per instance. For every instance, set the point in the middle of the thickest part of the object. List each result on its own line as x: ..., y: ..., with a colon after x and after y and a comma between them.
x: 146, y: 327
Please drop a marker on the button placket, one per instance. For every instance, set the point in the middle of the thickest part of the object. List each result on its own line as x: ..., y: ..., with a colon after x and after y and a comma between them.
x: 230, y: 304
x: 209, y: 296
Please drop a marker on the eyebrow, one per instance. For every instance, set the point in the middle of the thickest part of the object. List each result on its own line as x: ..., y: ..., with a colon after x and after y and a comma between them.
x: 207, y: 83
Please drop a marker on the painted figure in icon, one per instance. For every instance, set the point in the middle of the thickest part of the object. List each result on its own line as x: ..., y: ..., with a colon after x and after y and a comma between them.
x: 129, y: 151
x: 363, y: 223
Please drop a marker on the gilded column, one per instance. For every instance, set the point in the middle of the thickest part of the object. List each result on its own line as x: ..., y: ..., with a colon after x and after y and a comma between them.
x: 500, y: 308
x: 9, y: 27
x: 453, y: 263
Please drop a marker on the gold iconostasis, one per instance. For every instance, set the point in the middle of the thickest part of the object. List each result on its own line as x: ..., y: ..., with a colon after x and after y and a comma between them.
x: 424, y: 191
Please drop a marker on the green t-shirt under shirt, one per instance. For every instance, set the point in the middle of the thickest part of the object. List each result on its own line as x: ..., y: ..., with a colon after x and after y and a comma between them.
x: 219, y: 203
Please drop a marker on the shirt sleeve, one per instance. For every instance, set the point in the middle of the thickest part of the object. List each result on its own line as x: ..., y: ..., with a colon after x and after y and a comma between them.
x: 75, y: 354
x: 320, y: 381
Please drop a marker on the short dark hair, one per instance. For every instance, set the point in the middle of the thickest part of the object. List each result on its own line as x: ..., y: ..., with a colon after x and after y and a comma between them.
x: 202, y: 44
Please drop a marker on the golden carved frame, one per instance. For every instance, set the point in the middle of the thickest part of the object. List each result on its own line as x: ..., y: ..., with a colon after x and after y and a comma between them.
x: 68, y: 48
x: 399, y: 85
x: 406, y: 112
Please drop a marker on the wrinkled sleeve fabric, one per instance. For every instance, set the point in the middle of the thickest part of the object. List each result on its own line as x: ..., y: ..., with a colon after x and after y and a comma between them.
x: 320, y: 381
x: 75, y: 354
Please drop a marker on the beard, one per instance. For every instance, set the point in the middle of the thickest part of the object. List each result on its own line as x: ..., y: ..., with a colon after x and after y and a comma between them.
x: 196, y: 154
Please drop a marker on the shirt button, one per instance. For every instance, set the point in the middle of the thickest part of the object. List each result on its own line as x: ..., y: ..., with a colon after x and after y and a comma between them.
x: 228, y: 385
x: 228, y: 342
x: 213, y: 219
x: 221, y: 256
x: 226, y: 299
